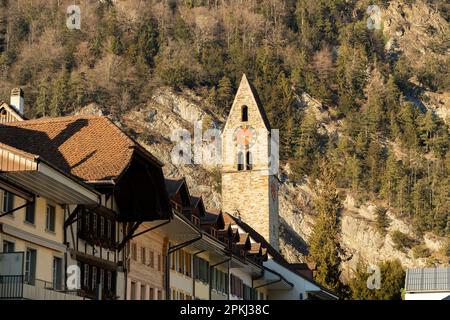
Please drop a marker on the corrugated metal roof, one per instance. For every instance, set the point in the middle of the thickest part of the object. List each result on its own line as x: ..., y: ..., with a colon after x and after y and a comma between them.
x: 428, y: 279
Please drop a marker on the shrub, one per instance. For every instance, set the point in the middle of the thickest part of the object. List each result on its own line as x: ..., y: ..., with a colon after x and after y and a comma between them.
x: 402, y: 241
x: 421, y: 251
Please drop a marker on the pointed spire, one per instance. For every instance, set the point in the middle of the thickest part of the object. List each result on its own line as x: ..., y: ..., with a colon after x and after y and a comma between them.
x: 246, y: 83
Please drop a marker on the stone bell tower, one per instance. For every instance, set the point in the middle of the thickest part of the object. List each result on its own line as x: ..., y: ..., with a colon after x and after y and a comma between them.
x: 249, y: 189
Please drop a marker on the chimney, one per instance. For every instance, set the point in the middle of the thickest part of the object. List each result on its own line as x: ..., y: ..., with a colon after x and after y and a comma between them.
x: 17, y: 99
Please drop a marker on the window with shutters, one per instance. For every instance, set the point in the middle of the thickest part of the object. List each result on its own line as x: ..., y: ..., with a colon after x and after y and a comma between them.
x: 236, y: 286
x: 201, y: 269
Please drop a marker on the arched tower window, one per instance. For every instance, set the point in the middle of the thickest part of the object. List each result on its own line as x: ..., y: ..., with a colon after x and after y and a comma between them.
x: 240, y: 161
x: 248, y: 161
x: 245, y: 113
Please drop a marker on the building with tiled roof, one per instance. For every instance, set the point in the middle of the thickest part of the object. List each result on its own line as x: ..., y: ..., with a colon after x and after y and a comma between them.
x: 129, y: 179
x: 427, y: 284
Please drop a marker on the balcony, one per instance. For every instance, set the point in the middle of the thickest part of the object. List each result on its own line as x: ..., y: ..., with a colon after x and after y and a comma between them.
x: 15, y: 287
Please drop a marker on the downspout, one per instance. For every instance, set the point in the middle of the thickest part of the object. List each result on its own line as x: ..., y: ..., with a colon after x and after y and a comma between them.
x: 193, y: 273
x: 228, y: 280
x: 171, y: 250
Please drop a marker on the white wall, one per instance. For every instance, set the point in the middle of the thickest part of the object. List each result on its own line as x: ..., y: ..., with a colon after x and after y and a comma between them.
x: 427, y: 295
x: 244, y: 276
x: 181, y: 282
x: 300, y: 285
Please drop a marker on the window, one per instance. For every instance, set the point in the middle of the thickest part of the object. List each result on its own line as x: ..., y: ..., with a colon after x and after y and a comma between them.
x: 86, y: 221
x: 102, y: 227
x: 181, y: 262
x: 188, y: 260
x: 236, y: 286
x: 134, y: 251
x: 219, y: 281
x: 30, y: 212
x: 159, y: 262
x: 248, y: 161
x: 8, y: 246
x: 109, y: 281
x: 109, y: 231
x: 101, y: 279
x: 172, y: 260
x: 151, y: 294
x: 159, y: 295
x: 57, y: 273
x: 143, y: 292
x: 133, y: 291
x: 30, y: 266
x: 50, y: 218
x: 201, y: 269
x: 244, y: 113
x: 8, y: 201
x: 151, y: 257
x: 94, y: 224
x: 94, y: 278
x: 86, y: 276
x: 248, y: 292
x: 143, y: 255
x: 240, y: 161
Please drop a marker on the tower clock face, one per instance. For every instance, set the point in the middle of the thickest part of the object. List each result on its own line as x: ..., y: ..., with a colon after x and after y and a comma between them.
x: 245, y: 136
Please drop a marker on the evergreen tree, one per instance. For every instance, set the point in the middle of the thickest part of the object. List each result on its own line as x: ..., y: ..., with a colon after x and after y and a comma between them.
x: 392, y: 280
x: 43, y: 99
x: 390, y: 179
x: 224, y: 93
x: 325, y: 249
x: 382, y: 220
x: 60, y: 95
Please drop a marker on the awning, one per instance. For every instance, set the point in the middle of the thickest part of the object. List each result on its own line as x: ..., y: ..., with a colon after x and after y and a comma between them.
x: 181, y: 230
x: 320, y: 295
x: 33, y: 174
x: 272, y: 280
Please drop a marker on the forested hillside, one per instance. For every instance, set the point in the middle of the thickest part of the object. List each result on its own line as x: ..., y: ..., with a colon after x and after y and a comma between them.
x: 380, y: 136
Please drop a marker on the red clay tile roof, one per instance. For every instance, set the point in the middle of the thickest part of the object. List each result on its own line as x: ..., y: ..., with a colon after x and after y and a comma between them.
x: 89, y: 147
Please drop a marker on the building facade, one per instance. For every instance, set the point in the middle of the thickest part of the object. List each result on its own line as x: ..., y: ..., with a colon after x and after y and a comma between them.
x: 34, y: 197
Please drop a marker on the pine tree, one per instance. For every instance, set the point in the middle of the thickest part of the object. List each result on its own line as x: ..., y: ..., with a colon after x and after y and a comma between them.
x: 224, y: 93
x: 43, y: 99
x: 382, y: 220
x: 390, y: 178
x: 308, y: 145
x: 354, y: 172
x: 325, y: 249
x: 60, y: 94
x: 373, y: 160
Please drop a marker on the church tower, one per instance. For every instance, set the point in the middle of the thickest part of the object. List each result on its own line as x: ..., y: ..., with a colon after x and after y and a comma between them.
x: 249, y: 189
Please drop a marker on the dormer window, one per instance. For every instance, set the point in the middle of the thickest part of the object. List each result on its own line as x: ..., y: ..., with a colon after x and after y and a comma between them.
x: 244, y: 114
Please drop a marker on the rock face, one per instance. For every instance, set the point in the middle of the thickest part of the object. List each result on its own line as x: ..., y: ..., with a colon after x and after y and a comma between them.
x: 415, y: 30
